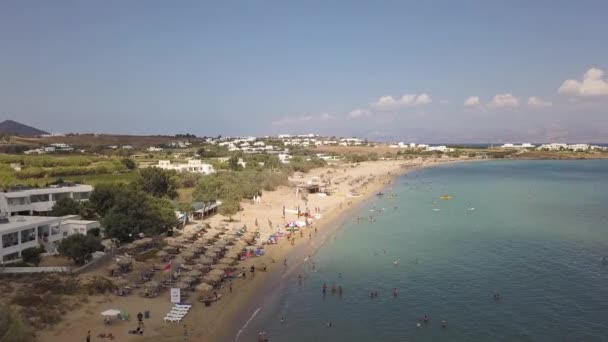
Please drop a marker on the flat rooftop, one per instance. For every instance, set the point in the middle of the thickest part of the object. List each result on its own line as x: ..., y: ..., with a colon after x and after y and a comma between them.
x: 22, y: 192
x: 19, y: 222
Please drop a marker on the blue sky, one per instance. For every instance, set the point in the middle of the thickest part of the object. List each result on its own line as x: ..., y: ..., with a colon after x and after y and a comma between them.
x: 265, y: 67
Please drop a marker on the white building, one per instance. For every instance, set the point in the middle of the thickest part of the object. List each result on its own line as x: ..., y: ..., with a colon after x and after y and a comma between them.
x: 579, y: 147
x: 22, y: 232
x: 193, y: 165
x: 553, y: 147
x: 284, y: 158
x: 32, y: 201
x: 154, y: 149
x: 75, y: 226
x: 524, y: 145
x: 441, y: 148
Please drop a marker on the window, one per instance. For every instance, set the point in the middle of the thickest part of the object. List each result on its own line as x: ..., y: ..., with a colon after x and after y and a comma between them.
x: 39, y: 198
x: 28, y: 235
x: 10, y: 239
x: 18, y: 201
x: 12, y: 256
x: 57, y: 197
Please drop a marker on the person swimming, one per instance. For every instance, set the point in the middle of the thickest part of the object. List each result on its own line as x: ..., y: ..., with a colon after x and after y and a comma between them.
x: 426, y: 318
x: 282, y: 319
x: 395, y: 262
x: 395, y: 293
x: 444, y: 324
x: 324, y: 287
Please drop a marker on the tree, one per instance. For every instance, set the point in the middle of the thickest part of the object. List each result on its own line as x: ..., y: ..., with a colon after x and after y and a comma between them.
x: 103, y: 197
x: 65, y: 206
x: 233, y: 163
x: 136, y: 212
x: 229, y: 208
x: 12, y: 327
x: 32, y: 255
x: 87, y: 211
x: 157, y: 182
x: 79, y: 247
x: 129, y: 163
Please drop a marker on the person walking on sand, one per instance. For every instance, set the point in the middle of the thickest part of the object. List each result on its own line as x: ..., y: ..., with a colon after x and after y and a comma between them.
x: 140, y: 320
x: 285, y: 262
x: 230, y: 286
x: 186, y: 336
x: 89, y: 336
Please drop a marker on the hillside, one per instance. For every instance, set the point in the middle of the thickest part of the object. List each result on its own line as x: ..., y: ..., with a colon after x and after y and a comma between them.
x: 15, y: 128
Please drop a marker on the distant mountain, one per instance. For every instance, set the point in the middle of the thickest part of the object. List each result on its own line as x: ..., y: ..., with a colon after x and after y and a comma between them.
x: 16, y: 128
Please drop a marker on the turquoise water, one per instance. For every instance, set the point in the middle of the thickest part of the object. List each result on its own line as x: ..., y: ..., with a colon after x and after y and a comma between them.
x: 537, y: 236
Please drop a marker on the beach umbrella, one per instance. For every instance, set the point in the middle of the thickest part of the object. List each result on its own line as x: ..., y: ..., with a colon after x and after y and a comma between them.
x: 152, y: 284
x: 188, y: 280
x: 194, y: 274
x: 170, y: 249
x: 205, y: 260
x: 204, y: 287
x: 214, y: 249
x: 227, y: 261
x: 188, y: 255
x: 124, y: 261
x: 181, y: 285
x: 217, y: 272
x: 222, y: 267
x: 111, y: 313
x: 212, y: 278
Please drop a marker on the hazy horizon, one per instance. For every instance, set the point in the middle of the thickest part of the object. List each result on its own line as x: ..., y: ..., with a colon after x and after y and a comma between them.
x: 470, y: 71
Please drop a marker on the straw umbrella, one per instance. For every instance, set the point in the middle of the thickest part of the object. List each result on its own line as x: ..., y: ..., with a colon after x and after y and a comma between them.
x: 205, y: 260
x: 194, y: 274
x: 181, y: 285
x: 204, y: 287
x: 212, y: 278
x: 227, y: 261
x: 188, y: 255
x: 210, y: 254
x: 152, y: 285
x: 214, y: 249
x: 170, y: 249
x: 188, y: 280
x: 218, y: 267
x: 218, y: 272
x: 162, y: 254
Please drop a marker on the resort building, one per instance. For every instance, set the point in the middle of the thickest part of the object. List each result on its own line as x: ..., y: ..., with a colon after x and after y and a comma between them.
x: 39, y: 201
x: 193, y: 165
x: 21, y: 232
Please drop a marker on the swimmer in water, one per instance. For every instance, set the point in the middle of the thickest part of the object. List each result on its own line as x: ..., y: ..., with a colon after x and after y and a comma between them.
x: 395, y: 262
x: 444, y: 324
x: 426, y: 318
x: 282, y: 319
x: 324, y: 287
x: 395, y: 293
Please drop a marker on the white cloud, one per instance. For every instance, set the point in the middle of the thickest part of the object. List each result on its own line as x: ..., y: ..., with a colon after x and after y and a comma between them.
x: 303, y: 119
x: 592, y: 85
x: 423, y: 99
x: 535, y: 101
x: 472, y: 101
x: 357, y: 113
x: 504, y: 100
x: 389, y: 102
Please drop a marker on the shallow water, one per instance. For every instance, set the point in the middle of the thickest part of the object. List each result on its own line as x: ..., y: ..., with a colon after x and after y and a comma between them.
x: 537, y: 234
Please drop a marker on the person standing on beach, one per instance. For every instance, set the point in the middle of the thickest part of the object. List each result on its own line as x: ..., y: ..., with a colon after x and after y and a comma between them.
x: 230, y: 286
x: 186, y: 336
x: 89, y: 336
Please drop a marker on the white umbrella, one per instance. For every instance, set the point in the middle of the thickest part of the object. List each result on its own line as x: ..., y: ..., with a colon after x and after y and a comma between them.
x: 111, y: 312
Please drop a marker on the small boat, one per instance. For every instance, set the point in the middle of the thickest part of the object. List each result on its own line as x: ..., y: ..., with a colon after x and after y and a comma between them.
x: 380, y: 193
x: 446, y: 197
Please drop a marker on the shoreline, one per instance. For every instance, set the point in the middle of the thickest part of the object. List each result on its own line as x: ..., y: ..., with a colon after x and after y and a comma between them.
x: 223, y: 319
x: 329, y: 227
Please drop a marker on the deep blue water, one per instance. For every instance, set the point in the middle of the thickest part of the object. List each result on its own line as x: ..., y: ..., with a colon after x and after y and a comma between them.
x: 537, y: 236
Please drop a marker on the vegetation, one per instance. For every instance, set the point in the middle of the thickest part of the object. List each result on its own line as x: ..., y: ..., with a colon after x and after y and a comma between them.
x: 132, y: 212
x: 79, y: 247
x: 32, y: 255
x: 157, y: 182
x: 65, y: 206
x: 12, y: 327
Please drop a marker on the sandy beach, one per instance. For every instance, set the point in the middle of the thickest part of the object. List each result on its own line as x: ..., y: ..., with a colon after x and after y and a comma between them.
x: 351, y: 184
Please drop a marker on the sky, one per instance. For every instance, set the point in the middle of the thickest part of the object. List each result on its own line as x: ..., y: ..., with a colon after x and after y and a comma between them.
x: 423, y: 71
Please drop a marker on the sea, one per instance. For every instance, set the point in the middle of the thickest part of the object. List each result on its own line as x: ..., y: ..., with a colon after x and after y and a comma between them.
x: 534, y: 232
